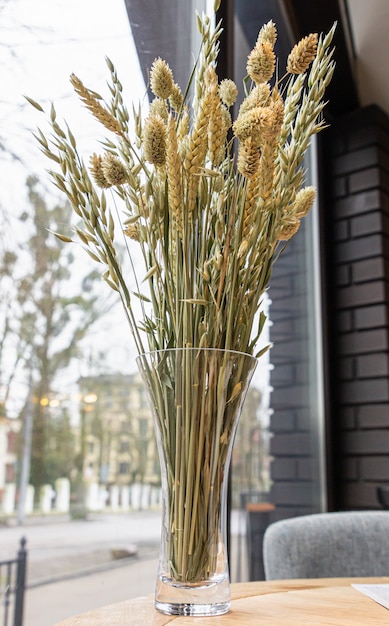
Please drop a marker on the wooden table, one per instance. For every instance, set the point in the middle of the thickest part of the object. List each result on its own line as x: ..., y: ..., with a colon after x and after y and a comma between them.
x: 311, y: 602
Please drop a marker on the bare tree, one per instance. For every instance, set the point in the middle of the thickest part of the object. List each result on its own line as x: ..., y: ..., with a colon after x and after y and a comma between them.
x: 48, y: 307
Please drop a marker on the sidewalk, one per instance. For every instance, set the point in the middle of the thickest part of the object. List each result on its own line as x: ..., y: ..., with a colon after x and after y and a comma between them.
x: 48, y: 604
x: 70, y: 567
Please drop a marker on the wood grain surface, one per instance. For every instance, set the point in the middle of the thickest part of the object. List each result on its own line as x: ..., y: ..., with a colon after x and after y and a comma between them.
x: 311, y: 602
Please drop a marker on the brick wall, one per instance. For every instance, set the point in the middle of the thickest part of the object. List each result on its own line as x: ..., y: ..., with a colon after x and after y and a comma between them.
x: 355, y: 240
x: 357, y: 234
x: 294, y: 439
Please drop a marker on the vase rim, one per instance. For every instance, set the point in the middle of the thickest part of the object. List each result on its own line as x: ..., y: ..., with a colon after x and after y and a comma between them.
x: 196, y: 349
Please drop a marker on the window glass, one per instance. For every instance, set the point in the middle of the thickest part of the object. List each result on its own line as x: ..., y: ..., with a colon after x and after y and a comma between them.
x: 82, y: 416
x: 285, y: 436
x: 67, y: 395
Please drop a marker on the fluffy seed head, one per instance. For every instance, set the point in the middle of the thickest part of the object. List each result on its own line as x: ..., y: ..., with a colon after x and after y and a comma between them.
x: 154, y: 140
x: 258, y: 97
x: 257, y: 123
x: 261, y: 63
x: 302, y: 55
x: 245, y: 126
x: 176, y: 98
x: 228, y: 92
x: 97, y: 171
x: 113, y: 169
x: 288, y: 228
x: 161, y: 79
x: 227, y: 120
x: 304, y: 201
x: 268, y: 33
x: 159, y: 107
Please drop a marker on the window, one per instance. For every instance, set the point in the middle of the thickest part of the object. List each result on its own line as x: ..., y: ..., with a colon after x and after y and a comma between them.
x: 42, y: 52
x: 10, y: 473
x: 124, y: 446
x: 124, y: 468
x: 11, y: 441
x: 143, y: 426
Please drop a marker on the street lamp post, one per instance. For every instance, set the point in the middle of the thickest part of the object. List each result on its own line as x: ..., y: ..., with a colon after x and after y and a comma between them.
x: 26, y: 456
x: 87, y: 402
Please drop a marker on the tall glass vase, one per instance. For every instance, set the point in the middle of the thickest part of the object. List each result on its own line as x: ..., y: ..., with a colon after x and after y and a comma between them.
x: 196, y: 395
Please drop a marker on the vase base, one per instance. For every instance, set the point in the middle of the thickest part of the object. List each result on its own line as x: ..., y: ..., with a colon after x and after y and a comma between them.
x: 210, y: 597
x: 199, y: 610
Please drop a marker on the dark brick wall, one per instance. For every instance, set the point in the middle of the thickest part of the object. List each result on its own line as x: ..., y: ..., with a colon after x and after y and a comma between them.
x: 293, y: 442
x: 356, y: 218
x: 355, y: 255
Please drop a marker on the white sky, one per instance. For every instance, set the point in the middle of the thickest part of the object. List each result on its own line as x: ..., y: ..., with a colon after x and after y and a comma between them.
x: 42, y: 43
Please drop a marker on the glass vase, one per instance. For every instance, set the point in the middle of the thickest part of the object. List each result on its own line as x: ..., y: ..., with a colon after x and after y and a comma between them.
x: 196, y: 395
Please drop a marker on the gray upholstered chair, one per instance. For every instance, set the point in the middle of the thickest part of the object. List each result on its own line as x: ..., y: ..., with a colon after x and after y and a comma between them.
x: 328, y: 545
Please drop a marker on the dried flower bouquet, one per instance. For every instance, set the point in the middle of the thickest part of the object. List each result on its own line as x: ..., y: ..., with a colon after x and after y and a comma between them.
x: 211, y: 203
x: 209, y: 223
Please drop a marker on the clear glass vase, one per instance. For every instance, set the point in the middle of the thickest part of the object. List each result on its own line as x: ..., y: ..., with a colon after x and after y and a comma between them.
x: 196, y: 395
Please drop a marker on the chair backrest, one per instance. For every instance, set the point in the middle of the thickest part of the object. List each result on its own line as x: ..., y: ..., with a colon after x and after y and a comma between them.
x: 328, y: 545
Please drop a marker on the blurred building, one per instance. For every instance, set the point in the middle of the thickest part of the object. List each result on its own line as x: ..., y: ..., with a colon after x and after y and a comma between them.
x: 116, y: 440
x: 9, y: 433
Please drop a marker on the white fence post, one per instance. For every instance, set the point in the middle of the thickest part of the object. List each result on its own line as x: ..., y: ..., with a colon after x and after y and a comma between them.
x: 29, y: 501
x: 9, y: 495
x: 125, y: 497
x: 114, y: 497
x: 62, y: 487
x: 45, y: 498
x: 92, y: 497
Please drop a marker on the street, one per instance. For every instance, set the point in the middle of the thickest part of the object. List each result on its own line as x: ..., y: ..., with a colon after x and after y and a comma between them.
x: 48, y: 604
x: 71, y: 568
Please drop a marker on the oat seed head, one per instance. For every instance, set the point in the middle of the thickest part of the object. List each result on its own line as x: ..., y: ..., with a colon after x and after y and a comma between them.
x: 183, y: 126
x: 278, y: 109
x: 132, y: 231
x: 93, y: 104
x: 248, y: 158
x: 173, y: 167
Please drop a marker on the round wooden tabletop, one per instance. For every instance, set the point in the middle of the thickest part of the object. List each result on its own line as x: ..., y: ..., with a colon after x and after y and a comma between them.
x: 317, y: 602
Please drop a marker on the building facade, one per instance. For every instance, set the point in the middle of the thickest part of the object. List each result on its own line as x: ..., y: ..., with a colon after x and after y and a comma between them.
x: 116, y: 435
